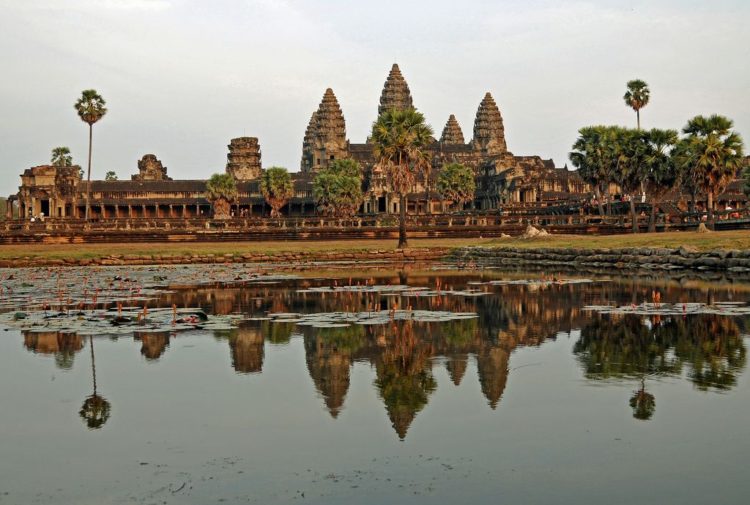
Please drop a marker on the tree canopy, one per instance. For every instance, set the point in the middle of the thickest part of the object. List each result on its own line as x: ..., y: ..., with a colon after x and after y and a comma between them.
x: 338, y: 188
x: 277, y: 188
x: 110, y: 176
x: 61, y: 157
x: 221, y: 186
x: 456, y: 182
x: 636, y: 97
x: 90, y: 106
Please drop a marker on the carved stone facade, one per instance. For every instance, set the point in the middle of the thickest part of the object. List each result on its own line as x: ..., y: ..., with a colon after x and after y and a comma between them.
x: 243, y: 159
x: 151, y: 169
x: 502, y: 178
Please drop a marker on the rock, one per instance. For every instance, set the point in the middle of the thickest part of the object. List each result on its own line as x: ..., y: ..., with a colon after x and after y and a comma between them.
x: 702, y: 228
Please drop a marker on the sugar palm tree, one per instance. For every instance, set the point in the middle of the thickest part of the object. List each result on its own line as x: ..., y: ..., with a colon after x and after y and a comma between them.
x: 660, y: 172
x: 221, y: 190
x: 711, y: 155
x: 91, y: 108
x: 61, y: 157
x: 399, y: 139
x: 277, y: 188
x: 590, y: 157
x: 636, y: 97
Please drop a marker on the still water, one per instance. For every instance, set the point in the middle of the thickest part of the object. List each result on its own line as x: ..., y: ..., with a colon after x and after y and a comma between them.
x: 535, y: 400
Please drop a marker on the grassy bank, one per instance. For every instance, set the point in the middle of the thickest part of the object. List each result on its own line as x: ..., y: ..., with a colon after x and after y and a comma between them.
x: 81, y: 251
x: 736, y: 239
x: 702, y: 242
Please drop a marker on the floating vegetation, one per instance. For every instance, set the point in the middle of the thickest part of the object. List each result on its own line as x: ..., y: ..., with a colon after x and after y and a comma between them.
x: 127, y: 321
x: 392, y: 290
x: 534, y: 282
x: 344, y: 319
x: 96, y: 287
x: 676, y: 309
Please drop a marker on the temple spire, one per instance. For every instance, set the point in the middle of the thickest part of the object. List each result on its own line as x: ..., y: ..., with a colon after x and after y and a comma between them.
x: 452, y: 133
x: 396, y: 94
x: 489, y: 133
x: 307, y: 143
x: 325, y: 137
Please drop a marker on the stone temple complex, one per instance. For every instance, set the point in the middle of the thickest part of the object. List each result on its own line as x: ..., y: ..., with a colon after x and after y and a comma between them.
x: 502, y: 178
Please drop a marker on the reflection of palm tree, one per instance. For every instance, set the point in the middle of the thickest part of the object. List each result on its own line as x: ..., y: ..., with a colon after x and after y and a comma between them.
x: 96, y: 409
x: 643, y: 403
x: 404, y: 378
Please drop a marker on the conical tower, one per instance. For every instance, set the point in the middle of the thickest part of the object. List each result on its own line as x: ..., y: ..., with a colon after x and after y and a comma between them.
x: 328, y: 136
x: 489, y: 133
x: 308, y: 155
x: 452, y: 134
x: 456, y: 366
x: 396, y: 94
x: 492, y: 367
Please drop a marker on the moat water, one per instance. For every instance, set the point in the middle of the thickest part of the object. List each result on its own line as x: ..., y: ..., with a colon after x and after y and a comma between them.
x: 382, y: 387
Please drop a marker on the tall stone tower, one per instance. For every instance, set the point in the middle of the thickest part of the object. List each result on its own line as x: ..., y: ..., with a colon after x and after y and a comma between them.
x: 308, y: 156
x: 243, y: 159
x: 489, y: 133
x: 325, y: 137
x: 452, y: 134
x: 396, y: 94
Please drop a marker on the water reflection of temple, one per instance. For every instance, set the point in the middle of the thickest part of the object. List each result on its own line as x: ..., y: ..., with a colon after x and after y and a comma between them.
x: 63, y: 345
x: 709, y: 350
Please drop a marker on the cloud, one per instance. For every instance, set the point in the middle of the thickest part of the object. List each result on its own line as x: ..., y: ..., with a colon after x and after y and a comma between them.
x: 88, y: 5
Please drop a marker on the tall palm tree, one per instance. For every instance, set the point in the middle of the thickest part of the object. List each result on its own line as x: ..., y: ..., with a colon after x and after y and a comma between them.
x: 712, y: 155
x: 61, y: 157
x: 399, y: 139
x: 636, y: 97
x: 91, y: 108
x: 590, y: 157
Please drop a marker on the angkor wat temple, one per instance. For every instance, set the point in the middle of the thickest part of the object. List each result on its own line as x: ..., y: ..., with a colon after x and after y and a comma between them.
x: 502, y: 178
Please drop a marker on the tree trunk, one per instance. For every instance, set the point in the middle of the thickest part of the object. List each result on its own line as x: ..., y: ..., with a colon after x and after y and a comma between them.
x: 633, y: 215
x: 598, y: 193
x: 402, y: 222
x: 88, y: 178
x: 710, y: 204
x: 93, y: 363
x: 652, y: 219
x: 638, y: 117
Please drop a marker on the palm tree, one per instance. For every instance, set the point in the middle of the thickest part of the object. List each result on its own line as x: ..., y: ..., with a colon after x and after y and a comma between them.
x: 221, y: 190
x: 95, y: 409
x: 277, y: 188
x: 660, y: 173
x: 61, y: 157
x: 399, y: 139
x: 337, y: 188
x: 91, y: 108
x: 590, y: 157
x: 711, y: 155
x: 636, y: 97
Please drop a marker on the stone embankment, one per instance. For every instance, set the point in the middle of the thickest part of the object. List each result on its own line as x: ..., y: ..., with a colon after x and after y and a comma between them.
x: 683, y: 258
x: 300, y: 258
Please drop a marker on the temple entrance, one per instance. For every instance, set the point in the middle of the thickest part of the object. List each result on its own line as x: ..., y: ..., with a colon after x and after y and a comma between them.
x: 44, y: 208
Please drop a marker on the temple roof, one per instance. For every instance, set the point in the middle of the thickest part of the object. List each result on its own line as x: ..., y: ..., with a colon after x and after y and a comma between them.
x: 452, y: 133
x: 396, y: 94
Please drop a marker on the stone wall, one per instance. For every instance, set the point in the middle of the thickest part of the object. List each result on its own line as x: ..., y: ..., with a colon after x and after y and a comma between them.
x: 627, y: 259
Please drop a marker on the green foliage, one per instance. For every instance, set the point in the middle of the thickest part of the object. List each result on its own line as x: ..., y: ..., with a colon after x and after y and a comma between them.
x: 338, y: 188
x: 277, y: 188
x: 637, y: 97
x: 95, y: 411
x: 710, y: 156
x: 61, y: 157
x: 456, y: 182
x: 221, y: 186
x: 90, y: 106
x: 110, y: 176
x: 399, y: 139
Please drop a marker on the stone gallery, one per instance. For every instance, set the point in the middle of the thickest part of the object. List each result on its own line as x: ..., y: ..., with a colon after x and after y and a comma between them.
x: 501, y: 177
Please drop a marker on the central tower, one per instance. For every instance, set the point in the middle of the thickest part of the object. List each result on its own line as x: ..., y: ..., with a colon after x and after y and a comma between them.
x: 396, y: 95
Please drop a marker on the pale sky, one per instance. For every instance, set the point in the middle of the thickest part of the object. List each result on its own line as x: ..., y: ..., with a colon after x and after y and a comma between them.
x: 182, y: 77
